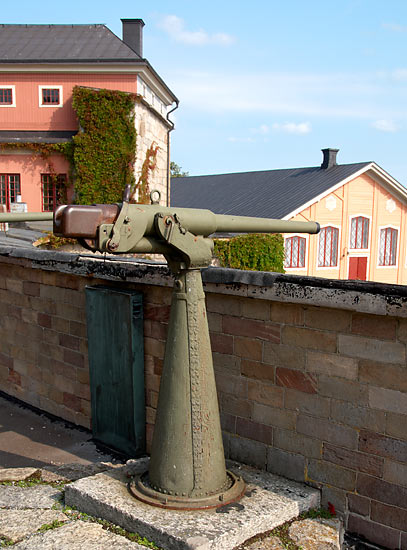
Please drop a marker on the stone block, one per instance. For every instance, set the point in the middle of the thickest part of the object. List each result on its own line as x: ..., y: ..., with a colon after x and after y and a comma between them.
x: 254, y: 430
x: 31, y: 289
x: 221, y: 343
x: 283, y: 463
x: 388, y: 400
x: 383, y: 375
x: 328, y: 319
x: 335, y: 497
x: 226, y: 363
x: 235, y: 406
x: 374, y: 326
x: 68, y: 341
x: 326, y: 430
x: 359, y: 505
x: 288, y: 314
x: 248, y: 348
x: 389, y: 515
x: 284, y: 355
x: 374, y: 532
x: 226, y: 305
x: 395, y: 472
x: 271, y: 416
x: 256, y: 309
x: 396, y: 425
x: 330, y: 474
x: 297, y: 443
x: 382, y: 491
x: 269, y: 501
x: 307, y: 403
x: 326, y: 533
x: 228, y: 422
x: 297, y: 380
x: 233, y: 385
x: 73, y: 358
x: 251, y: 328
x: 248, y: 451
x: 344, y: 390
x: 369, y: 348
x: 18, y: 474
x: 358, y: 417
x: 18, y: 524
x: 332, y: 364
x: 257, y: 370
x: 381, y: 445
x: 19, y: 498
x: 353, y: 460
x: 309, y: 338
x: 265, y: 393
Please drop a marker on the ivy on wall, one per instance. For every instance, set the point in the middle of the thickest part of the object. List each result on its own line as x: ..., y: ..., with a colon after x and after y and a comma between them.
x: 104, y: 152
x: 253, y: 252
x: 142, y: 188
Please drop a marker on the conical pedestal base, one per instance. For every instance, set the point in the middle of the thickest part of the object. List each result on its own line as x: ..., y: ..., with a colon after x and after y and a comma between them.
x: 187, y: 466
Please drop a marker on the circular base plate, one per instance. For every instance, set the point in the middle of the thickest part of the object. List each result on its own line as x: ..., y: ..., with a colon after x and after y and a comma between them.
x: 141, y: 489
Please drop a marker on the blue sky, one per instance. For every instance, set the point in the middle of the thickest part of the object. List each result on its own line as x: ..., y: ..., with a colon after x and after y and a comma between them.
x: 267, y: 84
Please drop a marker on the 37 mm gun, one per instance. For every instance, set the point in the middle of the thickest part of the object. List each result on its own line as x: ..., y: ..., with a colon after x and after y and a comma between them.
x: 187, y: 466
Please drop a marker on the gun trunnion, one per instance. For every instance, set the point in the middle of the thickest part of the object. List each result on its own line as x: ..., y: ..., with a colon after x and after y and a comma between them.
x: 187, y: 466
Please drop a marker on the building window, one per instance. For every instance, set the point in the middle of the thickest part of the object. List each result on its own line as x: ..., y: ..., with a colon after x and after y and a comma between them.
x: 388, y: 246
x: 328, y: 247
x: 7, y: 96
x: 359, y: 232
x: 51, y: 188
x: 10, y: 187
x: 295, y: 252
x: 50, y: 96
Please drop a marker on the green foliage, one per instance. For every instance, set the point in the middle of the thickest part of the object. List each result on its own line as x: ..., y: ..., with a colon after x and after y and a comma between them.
x: 104, y: 152
x: 53, y: 525
x: 176, y: 171
x: 252, y: 252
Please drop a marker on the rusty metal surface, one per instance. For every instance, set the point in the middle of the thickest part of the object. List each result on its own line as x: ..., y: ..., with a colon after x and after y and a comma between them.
x: 82, y: 221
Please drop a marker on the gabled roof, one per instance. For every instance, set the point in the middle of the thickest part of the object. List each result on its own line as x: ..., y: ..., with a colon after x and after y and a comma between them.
x: 66, y: 43
x: 268, y: 194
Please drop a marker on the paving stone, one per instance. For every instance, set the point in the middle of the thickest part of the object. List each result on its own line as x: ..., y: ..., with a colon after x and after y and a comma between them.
x: 78, y: 536
x: 20, y: 498
x: 18, y: 474
x: 269, y: 501
x: 18, y: 524
x: 72, y: 472
x: 317, y: 534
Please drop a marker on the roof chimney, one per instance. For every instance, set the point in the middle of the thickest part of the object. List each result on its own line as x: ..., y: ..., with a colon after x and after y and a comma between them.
x: 329, y: 158
x: 133, y: 34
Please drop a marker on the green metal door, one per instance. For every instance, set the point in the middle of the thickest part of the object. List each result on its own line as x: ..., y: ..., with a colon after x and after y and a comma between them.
x: 116, y: 364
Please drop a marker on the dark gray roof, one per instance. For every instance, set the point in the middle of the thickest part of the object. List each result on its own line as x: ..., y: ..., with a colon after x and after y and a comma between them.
x: 30, y: 136
x: 267, y: 194
x: 67, y: 43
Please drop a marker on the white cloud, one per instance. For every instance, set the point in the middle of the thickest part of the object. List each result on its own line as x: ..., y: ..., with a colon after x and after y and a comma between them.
x: 300, y: 128
x: 175, y: 27
x: 363, y: 96
x: 394, y: 27
x: 385, y: 125
x: 234, y: 139
x: 263, y: 129
x: 400, y: 74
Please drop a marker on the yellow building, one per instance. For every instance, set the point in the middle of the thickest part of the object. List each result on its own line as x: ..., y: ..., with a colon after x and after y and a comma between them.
x: 360, y: 207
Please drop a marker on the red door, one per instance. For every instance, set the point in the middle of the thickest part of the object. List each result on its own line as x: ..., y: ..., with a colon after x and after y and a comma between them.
x: 358, y: 268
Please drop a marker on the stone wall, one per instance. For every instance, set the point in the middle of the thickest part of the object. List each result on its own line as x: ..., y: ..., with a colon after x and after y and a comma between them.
x: 152, y: 128
x: 311, y: 373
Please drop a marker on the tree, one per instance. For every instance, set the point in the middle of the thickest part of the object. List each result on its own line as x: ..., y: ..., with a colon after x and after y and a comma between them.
x: 176, y: 171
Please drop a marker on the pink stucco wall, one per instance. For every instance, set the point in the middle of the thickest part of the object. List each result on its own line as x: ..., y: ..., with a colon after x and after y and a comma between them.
x: 27, y: 113
x: 30, y: 168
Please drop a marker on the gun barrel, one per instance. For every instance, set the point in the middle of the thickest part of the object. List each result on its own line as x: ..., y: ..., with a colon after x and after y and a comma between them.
x: 243, y: 224
x: 9, y: 217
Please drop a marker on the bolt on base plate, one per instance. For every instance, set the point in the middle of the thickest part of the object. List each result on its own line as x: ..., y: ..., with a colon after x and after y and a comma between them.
x: 141, y: 489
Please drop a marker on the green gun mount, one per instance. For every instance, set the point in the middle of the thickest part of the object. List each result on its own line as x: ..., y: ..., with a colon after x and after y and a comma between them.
x: 187, y: 467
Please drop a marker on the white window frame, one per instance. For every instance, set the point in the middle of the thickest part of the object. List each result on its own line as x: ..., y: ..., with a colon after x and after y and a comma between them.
x: 302, y: 236
x: 325, y: 268
x: 50, y: 87
x: 350, y: 232
x: 13, y: 92
x: 389, y: 226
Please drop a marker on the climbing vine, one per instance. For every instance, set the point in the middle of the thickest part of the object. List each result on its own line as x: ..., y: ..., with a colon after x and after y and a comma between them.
x: 142, y: 188
x: 104, y: 152
x: 254, y: 252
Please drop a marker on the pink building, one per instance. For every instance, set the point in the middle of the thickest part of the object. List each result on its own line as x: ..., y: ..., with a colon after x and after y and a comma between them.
x: 39, y: 67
